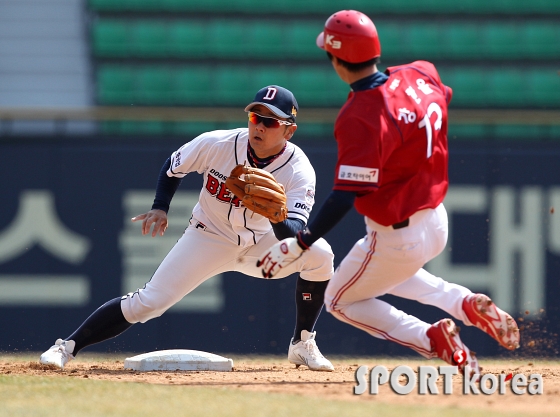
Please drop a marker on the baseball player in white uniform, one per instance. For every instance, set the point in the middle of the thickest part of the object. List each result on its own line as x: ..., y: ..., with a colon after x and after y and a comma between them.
x: 222, y: 234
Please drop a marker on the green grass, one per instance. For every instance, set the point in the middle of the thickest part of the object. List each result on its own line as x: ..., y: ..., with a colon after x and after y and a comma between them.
x: 38, y: 396
x: 43, y: 396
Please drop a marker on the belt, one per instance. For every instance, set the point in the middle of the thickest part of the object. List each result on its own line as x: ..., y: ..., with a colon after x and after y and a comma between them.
x: 402, y: 224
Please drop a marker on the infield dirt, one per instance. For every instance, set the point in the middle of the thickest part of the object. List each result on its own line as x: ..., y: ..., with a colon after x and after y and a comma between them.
x: 276, y: 375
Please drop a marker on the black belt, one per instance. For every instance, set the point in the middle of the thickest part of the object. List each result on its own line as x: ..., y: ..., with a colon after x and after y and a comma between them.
x: 402, y: 224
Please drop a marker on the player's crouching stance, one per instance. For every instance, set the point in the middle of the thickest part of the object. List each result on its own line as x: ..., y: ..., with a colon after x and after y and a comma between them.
x: 392, y: 166
x: 223, y: 234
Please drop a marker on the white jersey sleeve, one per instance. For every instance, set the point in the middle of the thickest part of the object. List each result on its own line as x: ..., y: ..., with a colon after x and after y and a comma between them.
x: 192, y: 156
x: 298, y: 178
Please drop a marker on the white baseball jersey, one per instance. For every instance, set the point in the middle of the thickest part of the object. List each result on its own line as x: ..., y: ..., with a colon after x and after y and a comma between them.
x: 214, y: 154
x: 232, y: 238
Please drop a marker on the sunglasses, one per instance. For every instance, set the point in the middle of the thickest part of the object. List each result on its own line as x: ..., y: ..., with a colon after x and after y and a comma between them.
x: 269, y: 122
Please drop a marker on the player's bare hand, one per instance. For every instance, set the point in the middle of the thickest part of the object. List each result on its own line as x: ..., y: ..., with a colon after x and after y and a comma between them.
x: 279, y: 256
x: 157, y: 218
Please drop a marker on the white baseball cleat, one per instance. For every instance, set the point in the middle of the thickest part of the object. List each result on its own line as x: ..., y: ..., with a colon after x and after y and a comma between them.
x: 59, y: 354
x: 306, y: 352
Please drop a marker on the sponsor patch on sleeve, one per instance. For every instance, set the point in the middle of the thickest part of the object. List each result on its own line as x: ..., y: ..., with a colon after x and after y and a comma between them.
x: 361, y: 174
x: 310, y: 196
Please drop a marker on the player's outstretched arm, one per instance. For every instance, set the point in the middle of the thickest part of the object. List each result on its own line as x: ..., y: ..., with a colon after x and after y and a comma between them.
x: 155, y: 217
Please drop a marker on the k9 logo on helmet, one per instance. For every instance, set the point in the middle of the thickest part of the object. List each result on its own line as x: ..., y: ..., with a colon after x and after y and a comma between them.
x: 333, y: 43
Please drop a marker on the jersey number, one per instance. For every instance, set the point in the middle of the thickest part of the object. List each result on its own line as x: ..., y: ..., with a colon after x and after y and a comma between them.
x: 425, y: 122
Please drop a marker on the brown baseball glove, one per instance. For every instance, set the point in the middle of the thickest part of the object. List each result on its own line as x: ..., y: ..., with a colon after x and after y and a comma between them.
x: 259, y: 191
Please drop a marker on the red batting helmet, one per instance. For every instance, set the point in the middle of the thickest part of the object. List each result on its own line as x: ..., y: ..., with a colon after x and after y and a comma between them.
x: 351, y: 36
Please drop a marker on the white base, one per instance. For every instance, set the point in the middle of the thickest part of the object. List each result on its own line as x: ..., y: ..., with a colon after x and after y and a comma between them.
x: 178, y: 360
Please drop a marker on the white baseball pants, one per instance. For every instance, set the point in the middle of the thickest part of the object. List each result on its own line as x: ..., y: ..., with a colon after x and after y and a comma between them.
x: 389, y: 261
x: 199, y: 255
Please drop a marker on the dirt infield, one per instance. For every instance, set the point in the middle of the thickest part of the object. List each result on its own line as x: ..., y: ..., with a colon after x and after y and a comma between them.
x: 276, y: 375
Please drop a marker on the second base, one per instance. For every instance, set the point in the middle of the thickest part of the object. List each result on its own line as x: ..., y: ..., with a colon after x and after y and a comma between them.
x: 178, y: 360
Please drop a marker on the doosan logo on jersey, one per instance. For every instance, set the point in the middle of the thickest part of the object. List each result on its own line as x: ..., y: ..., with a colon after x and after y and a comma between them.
x: 217, y: 174
x: 302, y: 206
x: 177, y: 159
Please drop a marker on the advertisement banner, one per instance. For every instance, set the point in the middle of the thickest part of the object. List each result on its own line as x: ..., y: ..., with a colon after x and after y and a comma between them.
x: 67, y: 245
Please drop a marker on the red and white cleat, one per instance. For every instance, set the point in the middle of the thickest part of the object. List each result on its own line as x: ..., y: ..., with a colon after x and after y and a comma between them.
x: 484, y: 314
x: 447, y: 345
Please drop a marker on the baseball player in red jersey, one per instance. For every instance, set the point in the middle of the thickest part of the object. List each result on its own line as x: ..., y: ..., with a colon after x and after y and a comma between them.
x: 392, y: 167
x: 223, y: 235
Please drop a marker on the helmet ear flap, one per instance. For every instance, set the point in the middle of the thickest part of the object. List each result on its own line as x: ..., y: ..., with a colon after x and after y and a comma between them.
x: 321, y: 40
x: 351, y: 36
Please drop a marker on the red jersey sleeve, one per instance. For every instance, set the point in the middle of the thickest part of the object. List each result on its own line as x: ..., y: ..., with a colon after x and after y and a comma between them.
x: 359, y: 147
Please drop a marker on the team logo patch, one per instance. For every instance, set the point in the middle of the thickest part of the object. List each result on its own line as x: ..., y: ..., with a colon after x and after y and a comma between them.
x: 360, y: 174
x: 284, y: 248
x: 310, y: 196
x: 306, y: 296
x: 332, y: 42
x: 270, y: 94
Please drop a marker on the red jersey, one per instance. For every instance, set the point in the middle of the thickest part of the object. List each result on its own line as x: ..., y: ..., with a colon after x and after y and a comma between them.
x: 392, y: 144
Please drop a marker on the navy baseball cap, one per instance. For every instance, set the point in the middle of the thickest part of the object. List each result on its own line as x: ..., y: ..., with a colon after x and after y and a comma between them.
x: 278, y: 100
